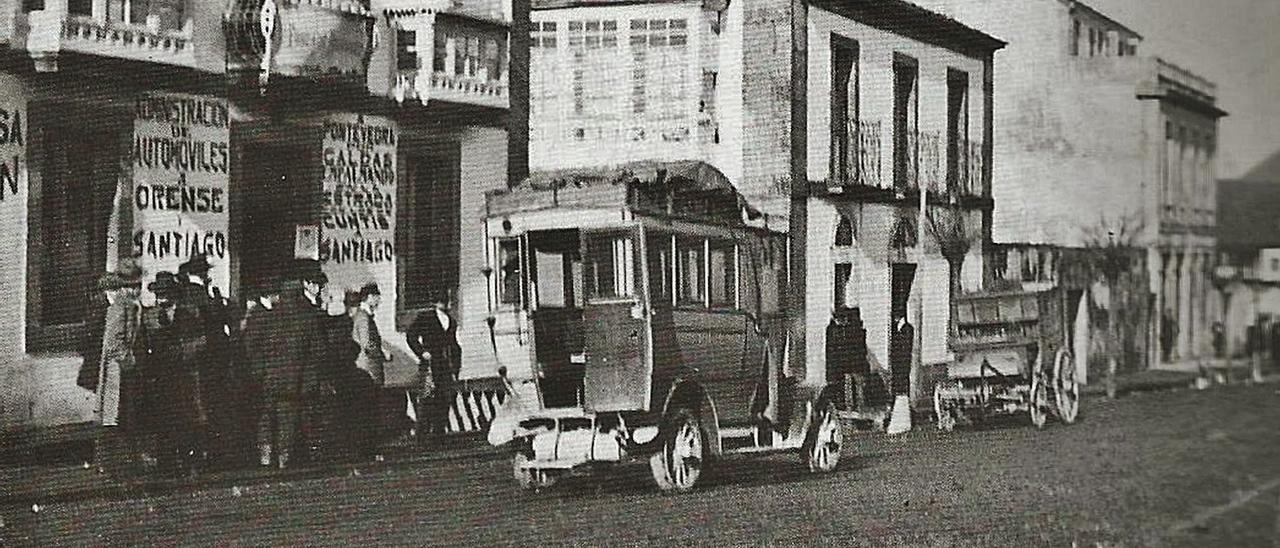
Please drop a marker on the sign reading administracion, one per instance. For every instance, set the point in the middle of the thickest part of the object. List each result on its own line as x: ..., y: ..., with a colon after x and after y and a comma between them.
x: 181, y: 165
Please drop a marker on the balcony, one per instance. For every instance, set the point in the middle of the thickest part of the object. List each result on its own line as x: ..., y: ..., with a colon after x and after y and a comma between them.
x: 964, y: 177
x: 51, y: 31
x: 922, y: 162
x: 450, y: 57
x: 862, y: 166
x: 456, y: 88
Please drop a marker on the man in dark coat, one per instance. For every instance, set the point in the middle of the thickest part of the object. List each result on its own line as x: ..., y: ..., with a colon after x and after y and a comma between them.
x: 433, y: 337
x: 285, y: 356
x: 172, y: 412
x: 207, y: 320
x: 901, y: 345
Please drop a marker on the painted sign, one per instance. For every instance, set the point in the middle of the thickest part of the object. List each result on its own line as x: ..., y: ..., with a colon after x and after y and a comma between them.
x: 181, y: 165
x: 13, y: 144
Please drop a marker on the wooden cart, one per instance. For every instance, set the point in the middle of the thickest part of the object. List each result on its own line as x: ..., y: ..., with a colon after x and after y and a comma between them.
x: 1012, y: 356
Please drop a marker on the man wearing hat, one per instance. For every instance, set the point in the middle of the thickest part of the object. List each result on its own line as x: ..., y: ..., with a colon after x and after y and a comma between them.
x: 433, y: 336
x: 287, y: 356
x: 211, y: 323
x: 116, y: 366
x: 173, y: 414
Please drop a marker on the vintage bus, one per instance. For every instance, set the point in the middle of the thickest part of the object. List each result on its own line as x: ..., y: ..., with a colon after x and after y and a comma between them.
x: 648, y: 303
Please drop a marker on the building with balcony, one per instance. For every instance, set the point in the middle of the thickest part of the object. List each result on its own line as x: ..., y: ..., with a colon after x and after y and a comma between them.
x: 886, y: 107
x: 1095, y: 135
x: 362, y: 134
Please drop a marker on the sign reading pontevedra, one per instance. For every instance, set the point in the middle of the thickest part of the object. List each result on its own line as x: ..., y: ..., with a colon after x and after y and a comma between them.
x: 181, y: 165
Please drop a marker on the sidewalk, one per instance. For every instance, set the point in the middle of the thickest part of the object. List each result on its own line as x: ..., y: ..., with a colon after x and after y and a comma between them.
x: 1183, y: 374
x: 24, y: 486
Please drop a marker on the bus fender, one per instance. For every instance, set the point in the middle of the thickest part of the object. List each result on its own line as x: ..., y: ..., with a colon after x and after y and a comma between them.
x: 685, y: 394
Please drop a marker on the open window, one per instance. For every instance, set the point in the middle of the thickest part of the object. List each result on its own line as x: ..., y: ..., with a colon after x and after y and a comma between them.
x: 659, y: 248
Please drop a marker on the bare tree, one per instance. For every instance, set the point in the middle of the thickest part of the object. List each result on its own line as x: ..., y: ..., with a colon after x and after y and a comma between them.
x: 1109, y: 250
x: 950, y: 227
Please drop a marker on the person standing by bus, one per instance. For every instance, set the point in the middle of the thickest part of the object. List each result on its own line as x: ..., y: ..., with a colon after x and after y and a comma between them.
x: 288, y: 352
x: 433, y: 337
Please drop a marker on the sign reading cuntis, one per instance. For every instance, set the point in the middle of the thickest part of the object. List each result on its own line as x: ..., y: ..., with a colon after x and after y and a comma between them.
x: 181, y: 161
x: 359, y: 191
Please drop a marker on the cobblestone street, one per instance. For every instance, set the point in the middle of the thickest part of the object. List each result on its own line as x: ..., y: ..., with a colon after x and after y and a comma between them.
x: 1180, y: 468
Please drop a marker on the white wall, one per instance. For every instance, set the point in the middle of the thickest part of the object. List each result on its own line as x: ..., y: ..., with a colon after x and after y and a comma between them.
x: 484, y: 168
x: 15, y: 381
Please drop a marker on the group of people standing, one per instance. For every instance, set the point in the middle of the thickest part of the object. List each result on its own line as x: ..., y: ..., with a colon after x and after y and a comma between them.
x: 194, y: 380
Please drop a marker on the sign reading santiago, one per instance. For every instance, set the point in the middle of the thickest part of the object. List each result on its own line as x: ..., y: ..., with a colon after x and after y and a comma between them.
x: 181, y: 164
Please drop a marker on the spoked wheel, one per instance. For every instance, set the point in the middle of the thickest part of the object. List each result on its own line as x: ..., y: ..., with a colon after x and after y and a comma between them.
x: 530, y: 479
x: 1039, y: 404
x: 946, y: 420
x: 678, y: 465
x: 825, y: 440
x: 1066, y: 390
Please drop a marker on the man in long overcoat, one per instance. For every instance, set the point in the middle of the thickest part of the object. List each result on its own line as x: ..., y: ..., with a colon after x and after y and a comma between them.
x: 211, y: 323
x: 433, y: 337
x: 285, y: 356
x: 116, y: 384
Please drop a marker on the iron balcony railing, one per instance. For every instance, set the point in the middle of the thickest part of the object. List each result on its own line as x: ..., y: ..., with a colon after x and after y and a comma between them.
x: 861, y: 165
x: 923, y: 161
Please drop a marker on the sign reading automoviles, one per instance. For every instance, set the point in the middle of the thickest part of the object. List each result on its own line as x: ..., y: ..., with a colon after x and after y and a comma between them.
x: 180, y: 177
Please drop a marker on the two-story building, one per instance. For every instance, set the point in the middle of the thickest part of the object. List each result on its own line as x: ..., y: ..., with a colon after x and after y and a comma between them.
x: 1094, y: 136
x: 362, y: 134
x: 836, y: 119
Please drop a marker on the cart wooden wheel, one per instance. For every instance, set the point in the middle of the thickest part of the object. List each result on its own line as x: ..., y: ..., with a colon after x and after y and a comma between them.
x: 824, y: 441
x: 946, y: 420
x: 1066, y: 391
x: 1039, y: 400
x: 678, y: 465
x: 530, y: 479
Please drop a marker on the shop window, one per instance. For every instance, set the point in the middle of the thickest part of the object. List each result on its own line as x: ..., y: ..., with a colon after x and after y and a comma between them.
x: 658, y: 248
x: 509, y: 275
x: 69, y: 220
x: 691, y: 271
x: 607, y: 266
x: 723, y: 274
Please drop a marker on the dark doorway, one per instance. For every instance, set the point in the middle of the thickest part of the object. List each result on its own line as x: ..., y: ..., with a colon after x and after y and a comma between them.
x: 275, y: 192
x: 900, y: 348
x: 431, y: 265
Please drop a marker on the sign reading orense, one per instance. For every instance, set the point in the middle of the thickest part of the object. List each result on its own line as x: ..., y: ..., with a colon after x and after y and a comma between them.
x: 181, y: 166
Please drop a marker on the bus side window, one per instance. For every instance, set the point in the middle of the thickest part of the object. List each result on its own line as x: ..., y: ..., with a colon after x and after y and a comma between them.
x: 690, y: 268
x: 658, y: 248
x: 723, y: 274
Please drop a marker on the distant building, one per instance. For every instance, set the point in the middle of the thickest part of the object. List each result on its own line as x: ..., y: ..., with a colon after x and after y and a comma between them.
x: 1249, y: 238
x: 1094, y: 135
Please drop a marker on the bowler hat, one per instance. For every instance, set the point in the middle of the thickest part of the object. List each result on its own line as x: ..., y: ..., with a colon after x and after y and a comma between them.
x: 164, y: 285
x: 368, y: 289
x: 197, y: 264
